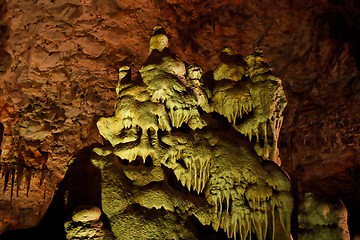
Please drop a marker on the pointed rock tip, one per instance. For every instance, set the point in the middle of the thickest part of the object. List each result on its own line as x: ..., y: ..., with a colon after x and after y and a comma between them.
x: 159, y: 40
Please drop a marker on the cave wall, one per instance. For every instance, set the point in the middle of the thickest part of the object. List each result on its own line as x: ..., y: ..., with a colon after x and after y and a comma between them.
x: 59, y: 62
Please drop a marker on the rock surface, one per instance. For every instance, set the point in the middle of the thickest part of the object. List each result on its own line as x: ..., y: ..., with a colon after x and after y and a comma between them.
x: 171, y: 119
x: 319, y: 219
x: 59, y: 62
x: 85, y: 224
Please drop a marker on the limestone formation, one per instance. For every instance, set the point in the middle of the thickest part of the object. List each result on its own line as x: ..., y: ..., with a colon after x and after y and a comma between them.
x: 180, y: 149
x: 252, y: 99
x: 58, y: 67
x: 85, y: 224
x: 320, y: 220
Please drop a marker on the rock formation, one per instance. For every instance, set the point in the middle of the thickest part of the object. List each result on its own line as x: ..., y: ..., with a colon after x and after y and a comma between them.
x: 170, y: 131
x: 85, y: 224
x: 319, y: 219
x: 58, y: 65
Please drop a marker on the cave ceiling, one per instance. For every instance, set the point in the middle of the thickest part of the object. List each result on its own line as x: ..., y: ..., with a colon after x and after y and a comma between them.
x: 59, y: 64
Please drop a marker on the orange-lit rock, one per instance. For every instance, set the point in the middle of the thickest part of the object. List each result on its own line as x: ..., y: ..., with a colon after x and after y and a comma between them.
x: 59, y: 61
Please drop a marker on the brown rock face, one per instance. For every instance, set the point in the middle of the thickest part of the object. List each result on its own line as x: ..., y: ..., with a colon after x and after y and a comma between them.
x: 59, y: 62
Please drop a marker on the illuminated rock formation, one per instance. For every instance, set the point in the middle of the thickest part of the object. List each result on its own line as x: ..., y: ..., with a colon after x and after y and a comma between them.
x: 319, y: 219
x: 252, y: 99
x: 58, y: 66
x: 85, y: 224
x: 172, y: 155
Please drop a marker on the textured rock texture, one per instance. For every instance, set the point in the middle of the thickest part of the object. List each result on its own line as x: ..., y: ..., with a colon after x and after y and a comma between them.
x: 321, y: 219
x: 59, y: 59
x: 171, y: 130
x: 85, y: 224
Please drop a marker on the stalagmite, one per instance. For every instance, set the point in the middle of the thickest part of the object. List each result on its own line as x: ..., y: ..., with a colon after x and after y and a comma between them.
x: 85, y: 224
x: 124, y: 78
x: 159, y: 40
x: 166, y: 82
x: 210, y: 172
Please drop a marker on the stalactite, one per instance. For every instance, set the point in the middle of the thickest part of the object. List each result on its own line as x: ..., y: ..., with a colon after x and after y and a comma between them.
x: 13, y: 171
x: 259, y: 220
x: 4, y: 167
x: 19, y: 177
x: 273, y: 221
x: 43, y: 174
x: 44, y: 191
x: 250, y: 202
x: 6, y: 173
x: 195, y: 176
x: 28, y: 176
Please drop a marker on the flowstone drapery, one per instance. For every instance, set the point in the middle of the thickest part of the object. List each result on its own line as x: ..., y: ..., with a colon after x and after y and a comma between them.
x: 183, y: 150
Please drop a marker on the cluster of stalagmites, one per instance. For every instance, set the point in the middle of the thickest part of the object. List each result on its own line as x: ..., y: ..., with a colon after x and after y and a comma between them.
x: 172, y: 132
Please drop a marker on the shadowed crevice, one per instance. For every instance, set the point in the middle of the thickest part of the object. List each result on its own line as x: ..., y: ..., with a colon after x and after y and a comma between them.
x: 80, y: 186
